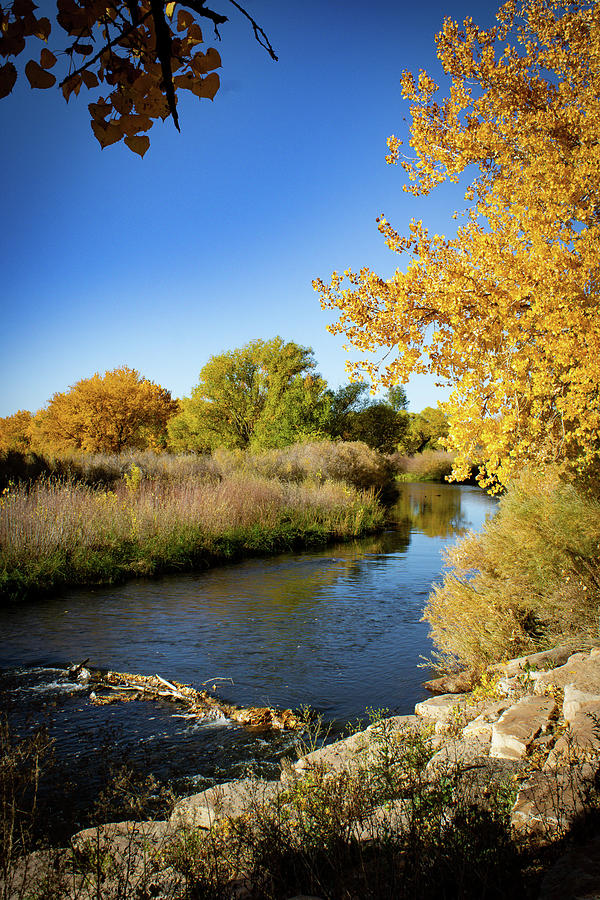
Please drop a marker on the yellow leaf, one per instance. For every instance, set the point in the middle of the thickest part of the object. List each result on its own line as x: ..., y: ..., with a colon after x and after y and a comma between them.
x: 169, y: 10
x: 38, y: 77
x: 107, y: 132
x: 138, y: 144
x: 47, y: 58
x: 8, y: 76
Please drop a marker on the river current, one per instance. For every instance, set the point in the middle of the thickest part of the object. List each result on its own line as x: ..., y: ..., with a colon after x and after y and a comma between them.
x: 338, y: 631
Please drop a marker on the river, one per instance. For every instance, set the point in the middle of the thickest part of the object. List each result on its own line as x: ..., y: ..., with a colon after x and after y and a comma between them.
x: 338, y: 631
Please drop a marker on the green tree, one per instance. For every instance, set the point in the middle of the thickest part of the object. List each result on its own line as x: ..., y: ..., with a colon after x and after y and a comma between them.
x: 354, y: 416
x: 265, y: 394
x: 426, y: 431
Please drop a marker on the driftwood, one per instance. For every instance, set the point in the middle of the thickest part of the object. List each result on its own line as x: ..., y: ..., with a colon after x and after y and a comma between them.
x: 122, y: 687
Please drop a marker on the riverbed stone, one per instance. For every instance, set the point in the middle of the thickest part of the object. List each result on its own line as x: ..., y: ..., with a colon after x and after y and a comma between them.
x: 516, y: 728
x: 481, y: 726
x: 343, y: 755
x: 448, y: 709
x: 381, y: 821
x: 581, y: 670
x: 122, y: 837
x: 234, y: 798
x: 543, y: 660
x: 549, y: 801
x: 454, y: 683
x: 575, y: 700
x: 580, y: 741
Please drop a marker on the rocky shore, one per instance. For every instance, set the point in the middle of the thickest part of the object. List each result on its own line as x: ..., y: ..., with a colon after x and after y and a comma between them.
x: 531, y: 723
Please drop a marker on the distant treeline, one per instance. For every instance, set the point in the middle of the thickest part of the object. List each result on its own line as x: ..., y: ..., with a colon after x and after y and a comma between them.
x: 264, y: 395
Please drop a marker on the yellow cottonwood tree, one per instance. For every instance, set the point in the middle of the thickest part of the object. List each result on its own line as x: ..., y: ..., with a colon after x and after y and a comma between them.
x: 506, y: 311
x: 105, y: 413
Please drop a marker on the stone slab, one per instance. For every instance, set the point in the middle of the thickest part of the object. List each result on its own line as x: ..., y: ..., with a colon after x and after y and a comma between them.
x: 574, y: 700
x: 548, y: 802
x: 337, y: 757
x: 545, y: 659
x: 580, y: 742
x: 391, y: 817
x: 234, y: 798
x: 456, y: 683
x: 520, y: 725
x: 581, y: 670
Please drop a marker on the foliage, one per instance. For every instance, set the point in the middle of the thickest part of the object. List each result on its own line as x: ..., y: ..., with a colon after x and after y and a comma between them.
x: 138, y: 49
x: 265, y: 394
x: 105, y: 413
x: 381, y: 424
x: 530, y: 578
x: 506, y: 311
x: 430, y: 465
x: 14, y: 432
x: 426, y: 431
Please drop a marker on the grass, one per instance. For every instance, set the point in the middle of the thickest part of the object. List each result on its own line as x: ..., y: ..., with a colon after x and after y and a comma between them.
x: 431, y: 465
x: 56, y: 532
x: 528, y: 580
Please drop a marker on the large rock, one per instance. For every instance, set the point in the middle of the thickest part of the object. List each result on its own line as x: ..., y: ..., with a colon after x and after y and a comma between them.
x: 383, y: 821
x: 481, y: 727
x: 349, y: 753
x: 549, y: 801
x: 449, y: 709
x: 545, y: 659
x: 520, y: 725
x: 234, y: 798
x: 575, y: 701
x: 581, y: 670
x: 456, y: 683
x: 580, y: 742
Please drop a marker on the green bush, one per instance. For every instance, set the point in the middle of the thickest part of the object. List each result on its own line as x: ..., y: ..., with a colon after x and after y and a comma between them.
x: 530, y: 578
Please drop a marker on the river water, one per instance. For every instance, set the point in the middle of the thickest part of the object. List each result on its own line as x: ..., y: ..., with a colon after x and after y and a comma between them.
x: 338, y: 631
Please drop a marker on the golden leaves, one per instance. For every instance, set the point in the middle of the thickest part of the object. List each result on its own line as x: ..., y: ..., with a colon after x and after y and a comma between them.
x: 508, y: 310
x: 38, y: 77
x: 117, y: 45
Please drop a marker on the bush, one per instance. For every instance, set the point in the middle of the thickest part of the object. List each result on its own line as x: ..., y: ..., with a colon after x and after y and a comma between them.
x: 530, y: 578
x: 431, y: 465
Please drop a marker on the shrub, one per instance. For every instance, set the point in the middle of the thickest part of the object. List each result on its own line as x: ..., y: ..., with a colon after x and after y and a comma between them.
x: 529, y: 578
x: 431, y: 465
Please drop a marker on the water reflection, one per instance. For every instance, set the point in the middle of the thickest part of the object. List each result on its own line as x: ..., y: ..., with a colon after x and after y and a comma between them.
x: 338, y: 630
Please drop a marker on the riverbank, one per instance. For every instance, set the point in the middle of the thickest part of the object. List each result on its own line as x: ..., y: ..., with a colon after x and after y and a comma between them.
x: 484, y: 794
x: 56, y: 534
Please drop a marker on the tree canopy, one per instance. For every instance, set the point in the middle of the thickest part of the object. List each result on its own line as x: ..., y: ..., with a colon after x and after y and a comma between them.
x: 138, y: 54
x: 506, y: 310
x: 265, y: 394
x: 105, y: 413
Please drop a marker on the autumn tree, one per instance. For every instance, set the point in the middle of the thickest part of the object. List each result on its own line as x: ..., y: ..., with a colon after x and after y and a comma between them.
x: 106, y: 413
x: 505, y: 311
x: 265, y: 394
x: 14, y: 431
x: 137, y: 55
x: 426, y: 430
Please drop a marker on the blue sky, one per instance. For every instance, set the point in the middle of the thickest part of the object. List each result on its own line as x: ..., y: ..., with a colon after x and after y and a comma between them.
x: 214, y: 237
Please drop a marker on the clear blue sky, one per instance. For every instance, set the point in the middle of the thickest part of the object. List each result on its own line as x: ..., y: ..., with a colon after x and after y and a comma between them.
x: 213, y: 238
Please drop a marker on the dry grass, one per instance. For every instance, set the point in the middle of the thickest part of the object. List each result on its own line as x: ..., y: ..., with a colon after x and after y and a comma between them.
x: 431, y: 465
x: 530, y: 578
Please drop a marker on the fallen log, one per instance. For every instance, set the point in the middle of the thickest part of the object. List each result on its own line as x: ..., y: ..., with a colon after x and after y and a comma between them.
x: 197, y: 704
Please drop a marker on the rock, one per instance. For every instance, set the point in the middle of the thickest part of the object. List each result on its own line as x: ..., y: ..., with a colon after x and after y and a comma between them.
x: 581, y: 740
x: 122, y: 837
x: 545, y: 659
x: 456, y: 683
x: 458, y: 754
x: 228, y: 800
x: 581, y: 669
x: 393, y: 816
x: 342, y: 755
x: 394, y: 724
x: 548, y: 802
x: 519, y: 725
x: 447, y: 709
x: 575, y: 875
x: 481, y: 727
x: 575, y: 700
